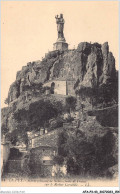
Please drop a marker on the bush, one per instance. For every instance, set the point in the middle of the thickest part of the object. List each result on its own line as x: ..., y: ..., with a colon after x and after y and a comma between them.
x: 38, y: 114
x: 34, y: 164
x: 15, y: 153
x: 4, y: 129
x: 70, y: 103
x: 25, y: 169
x: 58, y: 160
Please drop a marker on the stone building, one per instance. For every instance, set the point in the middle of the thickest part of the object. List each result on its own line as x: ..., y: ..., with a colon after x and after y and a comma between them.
x: 63, y: 87
x: 43, y: 156
x: 44, y: 148
x: 16, y: 160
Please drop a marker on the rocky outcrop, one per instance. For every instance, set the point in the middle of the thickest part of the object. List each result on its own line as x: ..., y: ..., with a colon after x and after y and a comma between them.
x: 14, y: 91
x: 88, y: 65
x: 108, y: 63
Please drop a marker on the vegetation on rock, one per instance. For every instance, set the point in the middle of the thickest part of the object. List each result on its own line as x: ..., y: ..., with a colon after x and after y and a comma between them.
x: 85, y: 156
x: 38, y: 114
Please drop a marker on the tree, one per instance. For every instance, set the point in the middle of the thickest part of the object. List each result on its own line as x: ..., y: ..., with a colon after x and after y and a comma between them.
x: 70, y: 103
x: 20, y: 115
x: 87, y: 156
x: 6, y: 101
x: 38, y: 114
x: 108, y: 92
x: 104, y: 148
x: 58, y: 160
x: 4, y: 129
x: 62, y: 143
x: 19, y: 135
x: 89, y: 92
x: 33, y: 86
x: 80, y: 155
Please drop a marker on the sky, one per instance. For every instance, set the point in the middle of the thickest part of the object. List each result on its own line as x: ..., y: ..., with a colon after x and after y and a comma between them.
x: 28, y: 31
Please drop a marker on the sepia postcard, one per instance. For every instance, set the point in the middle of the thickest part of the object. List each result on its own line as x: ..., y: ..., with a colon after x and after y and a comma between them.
x: 59, y: 94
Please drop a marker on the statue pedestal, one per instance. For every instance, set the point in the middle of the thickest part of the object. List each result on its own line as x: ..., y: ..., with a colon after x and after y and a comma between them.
x: 62, y: 46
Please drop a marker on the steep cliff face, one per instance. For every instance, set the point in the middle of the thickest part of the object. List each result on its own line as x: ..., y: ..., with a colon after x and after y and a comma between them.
x: 108, y: 62
x: 89, y: 64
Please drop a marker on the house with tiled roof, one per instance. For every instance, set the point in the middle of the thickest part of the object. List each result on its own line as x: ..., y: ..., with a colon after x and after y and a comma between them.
x: 44, y: 138
x: 43, y: 149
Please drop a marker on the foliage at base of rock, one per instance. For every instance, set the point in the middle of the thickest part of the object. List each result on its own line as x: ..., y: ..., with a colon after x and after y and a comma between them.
x: 85, y: 156
x: 38, y: 114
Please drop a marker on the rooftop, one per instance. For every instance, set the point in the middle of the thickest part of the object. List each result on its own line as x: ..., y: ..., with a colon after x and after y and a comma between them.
x: 47, y: 140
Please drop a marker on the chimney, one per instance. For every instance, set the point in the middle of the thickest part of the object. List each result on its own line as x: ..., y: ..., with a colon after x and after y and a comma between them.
x: 42, y: 131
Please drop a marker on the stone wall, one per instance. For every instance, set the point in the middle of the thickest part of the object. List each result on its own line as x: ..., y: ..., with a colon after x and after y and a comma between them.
x: 46, y: 170
x: 59, y: 88
x: 5, y: 151
x: 62, y: 87
x: 43, y: 155
x: 43, y: 151
x: 14, y: 166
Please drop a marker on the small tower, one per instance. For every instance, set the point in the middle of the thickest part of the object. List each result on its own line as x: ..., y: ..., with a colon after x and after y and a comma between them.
x: 61, y: 42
